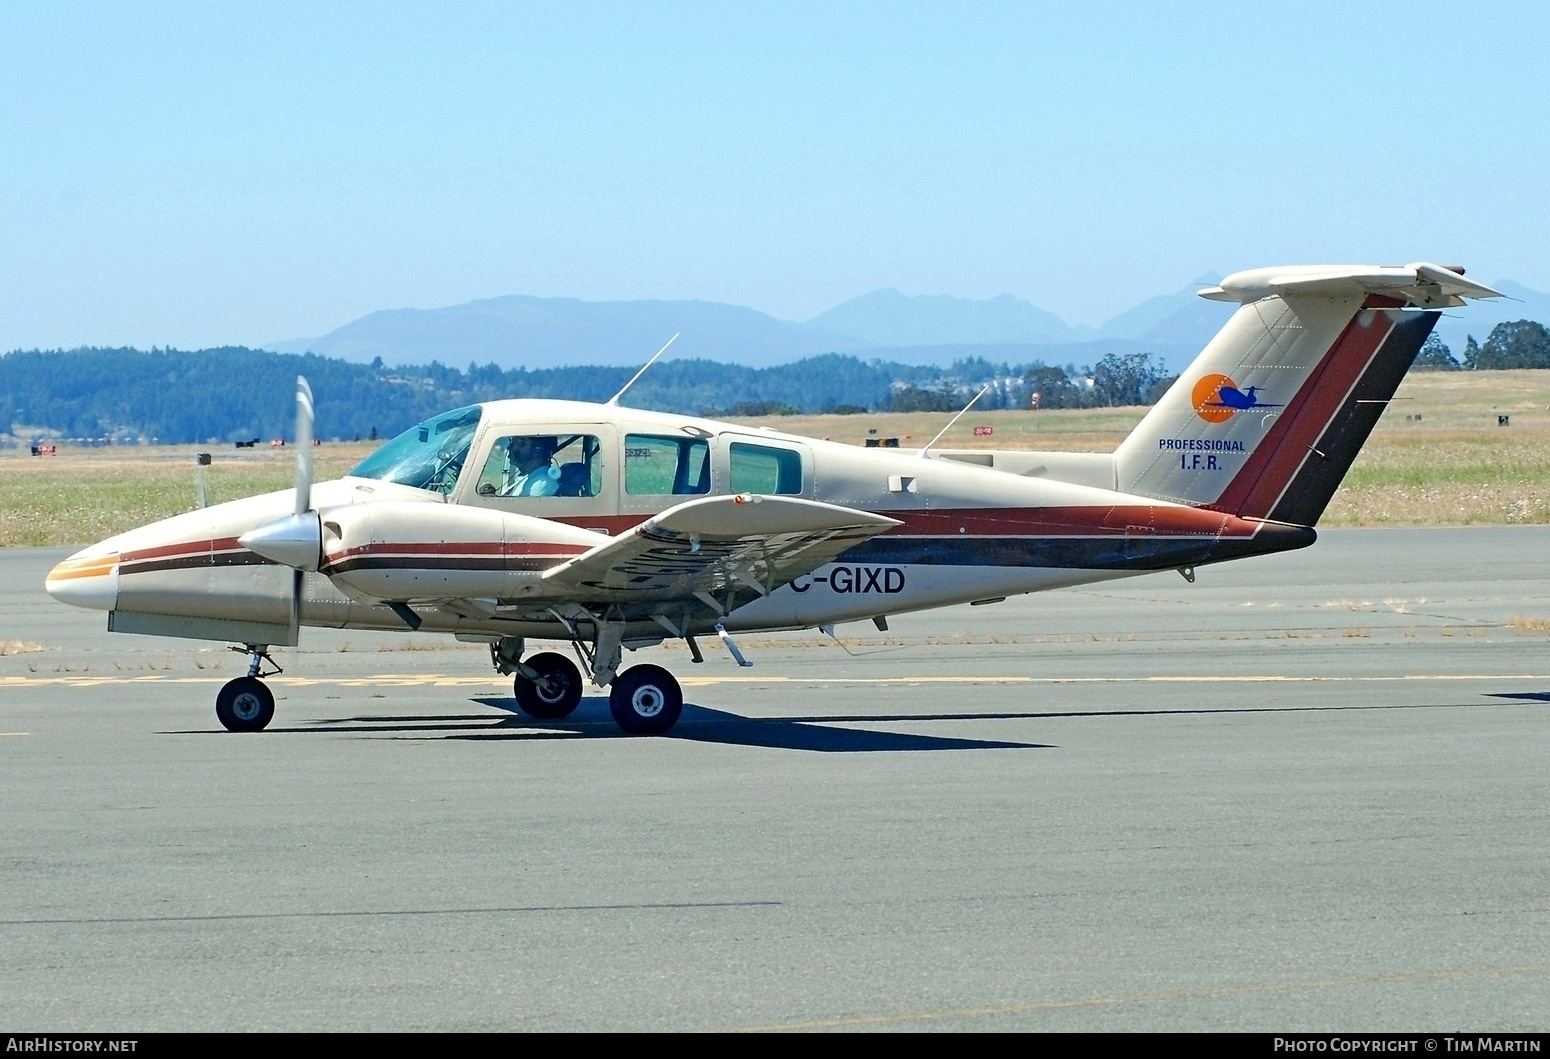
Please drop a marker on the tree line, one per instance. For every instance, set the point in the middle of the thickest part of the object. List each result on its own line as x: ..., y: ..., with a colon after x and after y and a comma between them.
x: 1519, y: 344
x: 233, y: 393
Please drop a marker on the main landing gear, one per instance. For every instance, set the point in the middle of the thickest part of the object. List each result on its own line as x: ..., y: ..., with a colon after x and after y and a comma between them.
x: 246, y: 704
x: 550, y: 688
x: 644, y: 699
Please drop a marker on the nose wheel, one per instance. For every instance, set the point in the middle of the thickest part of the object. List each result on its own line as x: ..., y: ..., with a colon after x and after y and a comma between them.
x: 245, y: 705
x: 645, y: 700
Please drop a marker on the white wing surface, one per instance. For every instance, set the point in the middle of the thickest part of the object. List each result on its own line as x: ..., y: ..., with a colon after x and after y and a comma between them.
x: 716, y: 548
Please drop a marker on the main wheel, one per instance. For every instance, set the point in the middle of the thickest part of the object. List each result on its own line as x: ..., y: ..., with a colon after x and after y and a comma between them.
x: 245, y: 705
x: 645, y: 700
x: 556, y: 694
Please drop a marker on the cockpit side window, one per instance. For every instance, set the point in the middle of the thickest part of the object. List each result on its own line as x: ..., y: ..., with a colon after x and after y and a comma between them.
x: 766, y: 469
x: 540, y: 465
x: 656, y: 464
x: 429, y: 456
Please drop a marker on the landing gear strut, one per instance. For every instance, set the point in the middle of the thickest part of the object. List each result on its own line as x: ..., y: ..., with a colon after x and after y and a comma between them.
x: 246, y: 704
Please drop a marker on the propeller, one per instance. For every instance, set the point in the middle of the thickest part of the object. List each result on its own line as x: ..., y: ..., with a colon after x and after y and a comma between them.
x: 303, y: 445
x: 296, y: 540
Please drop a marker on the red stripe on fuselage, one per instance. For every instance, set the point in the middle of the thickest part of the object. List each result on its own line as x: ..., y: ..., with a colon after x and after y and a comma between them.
x: 1073, y: 521
x: 1095, y: 521
x: 462, y: 548
x: 1089, y: 520
x: 1253, y: 492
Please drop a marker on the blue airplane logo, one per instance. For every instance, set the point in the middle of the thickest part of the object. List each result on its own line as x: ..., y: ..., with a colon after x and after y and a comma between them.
x: 1229, y: 396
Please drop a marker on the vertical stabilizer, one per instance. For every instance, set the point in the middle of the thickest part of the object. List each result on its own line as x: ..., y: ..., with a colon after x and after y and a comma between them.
x: 1266, y: 421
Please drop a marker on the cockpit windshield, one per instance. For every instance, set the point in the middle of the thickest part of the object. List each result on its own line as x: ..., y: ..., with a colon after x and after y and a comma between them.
x: 429, y: 456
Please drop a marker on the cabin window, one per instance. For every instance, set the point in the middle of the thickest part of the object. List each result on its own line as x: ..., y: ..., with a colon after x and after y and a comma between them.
x: 764, y: 469
x: 655, y: 465
x: 428, y: 456
x: 541, y: 465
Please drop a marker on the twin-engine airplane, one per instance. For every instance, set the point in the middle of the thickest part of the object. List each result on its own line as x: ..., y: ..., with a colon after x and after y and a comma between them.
x: 614, y: 528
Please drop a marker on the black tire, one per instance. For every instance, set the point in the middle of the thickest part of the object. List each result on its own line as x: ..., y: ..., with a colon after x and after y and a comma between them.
x: 561, y: 692
x: 245, y: 705
x: 645, y: 700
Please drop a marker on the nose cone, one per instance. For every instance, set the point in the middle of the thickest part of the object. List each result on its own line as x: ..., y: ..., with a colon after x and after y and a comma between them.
x: 86, y: 579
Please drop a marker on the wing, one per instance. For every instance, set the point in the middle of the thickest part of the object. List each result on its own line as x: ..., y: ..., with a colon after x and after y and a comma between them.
x: 724, y: 548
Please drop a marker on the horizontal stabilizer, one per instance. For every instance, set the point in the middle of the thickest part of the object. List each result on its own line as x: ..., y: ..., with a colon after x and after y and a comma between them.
x: 718, y: 547
x: 1420, y: 284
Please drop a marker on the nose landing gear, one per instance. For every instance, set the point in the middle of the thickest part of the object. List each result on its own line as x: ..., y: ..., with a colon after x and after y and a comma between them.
x: 246, y: 704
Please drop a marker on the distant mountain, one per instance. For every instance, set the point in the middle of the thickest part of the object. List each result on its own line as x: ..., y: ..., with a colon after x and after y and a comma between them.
x: 1182, y: 318
x: 534, y: 333
x: 888, y: 318
x: 540, y: 333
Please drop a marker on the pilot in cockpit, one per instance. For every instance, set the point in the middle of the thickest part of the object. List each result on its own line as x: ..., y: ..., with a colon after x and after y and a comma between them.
x: 530, y: 466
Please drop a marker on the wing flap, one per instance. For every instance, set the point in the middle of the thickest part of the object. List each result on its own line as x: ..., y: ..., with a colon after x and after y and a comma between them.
x: 713, y: 546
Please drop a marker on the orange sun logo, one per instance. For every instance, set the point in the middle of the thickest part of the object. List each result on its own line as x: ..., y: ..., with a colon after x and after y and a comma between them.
x: 1207, y: 398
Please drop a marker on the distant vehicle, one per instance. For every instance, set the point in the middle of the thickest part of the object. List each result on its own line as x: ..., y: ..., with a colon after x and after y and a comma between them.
x: 43, y: 450
x: 614, y: 528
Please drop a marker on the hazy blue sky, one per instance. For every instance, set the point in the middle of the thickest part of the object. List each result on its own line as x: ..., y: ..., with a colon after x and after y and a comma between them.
x: 193, y: 175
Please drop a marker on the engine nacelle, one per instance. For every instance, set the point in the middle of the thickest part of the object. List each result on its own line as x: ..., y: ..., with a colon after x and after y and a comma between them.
x: 394, y: 552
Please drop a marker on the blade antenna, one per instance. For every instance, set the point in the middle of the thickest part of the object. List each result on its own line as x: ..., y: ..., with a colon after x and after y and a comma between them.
x: 615, y: 398
x: 954, y: 419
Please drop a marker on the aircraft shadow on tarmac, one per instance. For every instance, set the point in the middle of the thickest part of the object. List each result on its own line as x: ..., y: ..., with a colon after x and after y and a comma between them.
x: 591, y: 720
x: 698, y: 724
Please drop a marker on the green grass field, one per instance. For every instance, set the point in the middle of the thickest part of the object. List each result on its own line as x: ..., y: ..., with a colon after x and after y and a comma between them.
x: 1437, y: 457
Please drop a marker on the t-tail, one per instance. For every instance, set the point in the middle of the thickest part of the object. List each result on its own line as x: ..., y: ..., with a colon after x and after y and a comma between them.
x: 1266, y: 421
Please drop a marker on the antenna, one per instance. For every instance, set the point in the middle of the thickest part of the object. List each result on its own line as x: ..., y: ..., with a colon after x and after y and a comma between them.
x: 615, y: 398
x: 954, y: 419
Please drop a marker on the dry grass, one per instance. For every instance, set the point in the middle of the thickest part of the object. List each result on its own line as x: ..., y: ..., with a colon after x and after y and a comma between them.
x: 1437, y: 457
x: 20, y: 647
x: 84, y: 495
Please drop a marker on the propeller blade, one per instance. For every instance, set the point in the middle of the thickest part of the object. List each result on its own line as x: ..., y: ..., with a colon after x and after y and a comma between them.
x: 303, y: 445
x: 309, y: 530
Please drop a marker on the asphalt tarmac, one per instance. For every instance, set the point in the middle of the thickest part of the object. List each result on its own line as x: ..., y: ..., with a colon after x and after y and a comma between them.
x: 1307, y: 792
